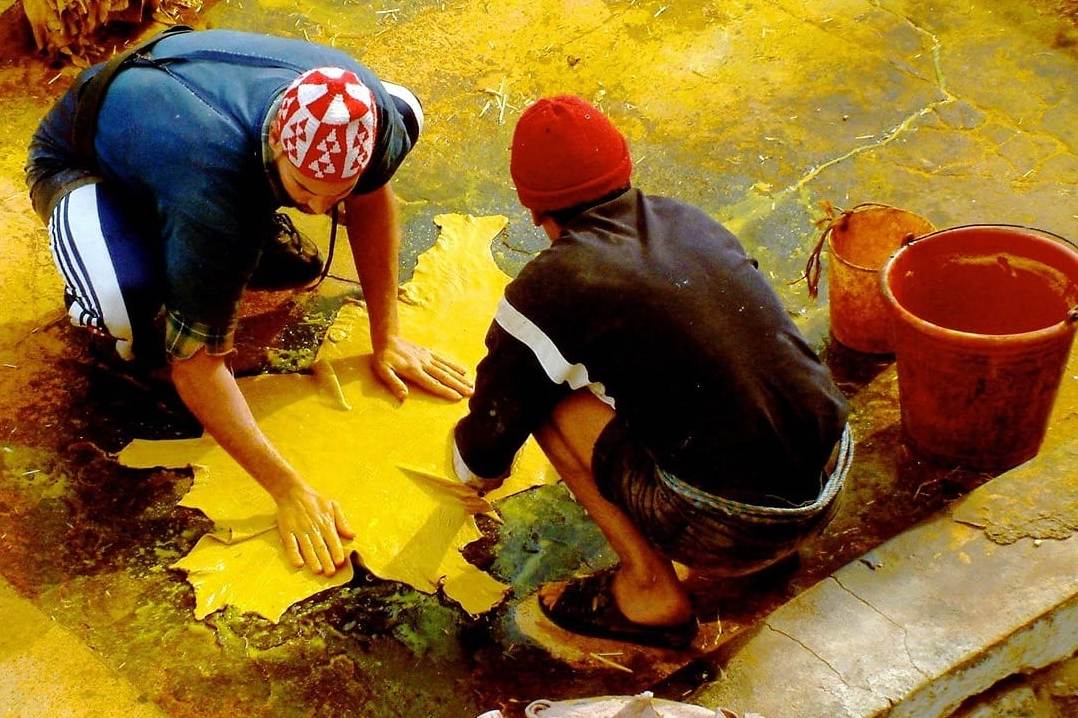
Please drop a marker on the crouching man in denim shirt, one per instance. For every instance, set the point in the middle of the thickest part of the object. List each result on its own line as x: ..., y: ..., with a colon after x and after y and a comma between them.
x: 170, y: 208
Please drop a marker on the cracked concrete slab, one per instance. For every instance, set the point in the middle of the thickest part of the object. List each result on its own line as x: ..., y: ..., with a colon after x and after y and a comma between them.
x: 757, y: 683
x: 851, y: 657
x: 940, y: 614
x: 984, y: 590
x: 1038, y: 499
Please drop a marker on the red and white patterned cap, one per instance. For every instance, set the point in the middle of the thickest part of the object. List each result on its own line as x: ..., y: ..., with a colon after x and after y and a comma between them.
x: 326, y: 124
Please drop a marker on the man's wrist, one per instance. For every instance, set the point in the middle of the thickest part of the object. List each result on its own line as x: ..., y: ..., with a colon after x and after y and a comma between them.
x: 383, y: 341
x: 380, y: 344
x: 466, y: 476
x: 384, y: 323
x: 282, y: 485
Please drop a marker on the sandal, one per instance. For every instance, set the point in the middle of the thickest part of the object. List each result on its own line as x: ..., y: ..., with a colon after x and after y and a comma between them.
x: 586, y: 606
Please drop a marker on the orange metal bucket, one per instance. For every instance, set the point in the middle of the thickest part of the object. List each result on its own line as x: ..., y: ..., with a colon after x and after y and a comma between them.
x: 984, y: 319
x: 860, y: 241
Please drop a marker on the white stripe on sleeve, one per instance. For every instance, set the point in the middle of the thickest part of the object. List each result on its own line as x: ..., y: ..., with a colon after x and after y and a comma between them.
x: 557, y: 368
x: 464, y: 474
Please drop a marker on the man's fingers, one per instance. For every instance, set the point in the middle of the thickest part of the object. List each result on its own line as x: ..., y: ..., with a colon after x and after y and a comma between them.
x: 343, y: 528
x: 309, y: 555
x: 291, y: 549
x: 457, y: 368
x: 329, y: 566
x: 458, y: 376
x: 333, y: 542
x: 448, y: 379
x: 393, y: 382
x: 436, y: 386
x: 429, y: 371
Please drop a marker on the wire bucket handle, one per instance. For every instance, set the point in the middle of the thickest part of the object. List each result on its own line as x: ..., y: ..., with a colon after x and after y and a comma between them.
x: 832, y: 216
x: 987, y: 225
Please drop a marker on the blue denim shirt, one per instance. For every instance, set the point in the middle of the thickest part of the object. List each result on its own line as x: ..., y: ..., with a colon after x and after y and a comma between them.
x: 184, y: 138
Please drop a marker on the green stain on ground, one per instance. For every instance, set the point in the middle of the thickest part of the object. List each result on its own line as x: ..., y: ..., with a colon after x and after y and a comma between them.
x: 546, y: 536
x: 426, y: 626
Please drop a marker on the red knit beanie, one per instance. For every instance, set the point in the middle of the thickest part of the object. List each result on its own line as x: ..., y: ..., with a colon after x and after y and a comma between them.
x: 565, y: 153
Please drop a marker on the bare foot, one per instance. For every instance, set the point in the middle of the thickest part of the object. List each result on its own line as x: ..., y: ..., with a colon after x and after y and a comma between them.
x: 652, y: 598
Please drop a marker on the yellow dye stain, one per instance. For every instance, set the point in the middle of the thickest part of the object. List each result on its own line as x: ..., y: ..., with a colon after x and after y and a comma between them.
x: 386, y: 463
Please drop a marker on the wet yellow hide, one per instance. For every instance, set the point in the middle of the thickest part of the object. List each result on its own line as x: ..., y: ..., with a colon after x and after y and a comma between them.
x: 380, y: 459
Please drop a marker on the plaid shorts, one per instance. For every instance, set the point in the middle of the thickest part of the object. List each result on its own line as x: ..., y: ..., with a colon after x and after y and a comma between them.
x: 699, y: 529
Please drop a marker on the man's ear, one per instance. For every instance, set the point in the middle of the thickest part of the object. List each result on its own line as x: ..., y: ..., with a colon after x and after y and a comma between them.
x: 276, y: 149
x: 550, y: 226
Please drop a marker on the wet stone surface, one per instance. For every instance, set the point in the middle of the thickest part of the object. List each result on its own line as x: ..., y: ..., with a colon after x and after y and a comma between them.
x: 959, y: 113
x: 91, y: 541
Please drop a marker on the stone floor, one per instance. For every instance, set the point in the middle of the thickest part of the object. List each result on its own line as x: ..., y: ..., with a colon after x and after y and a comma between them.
x: 755, y: 110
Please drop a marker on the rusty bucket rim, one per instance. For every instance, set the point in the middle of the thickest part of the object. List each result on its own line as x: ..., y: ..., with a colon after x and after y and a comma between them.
x: 1065, y: 326
x: 864, y: 206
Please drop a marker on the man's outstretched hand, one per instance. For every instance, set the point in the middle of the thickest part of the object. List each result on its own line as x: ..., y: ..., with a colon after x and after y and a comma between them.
x: 400, y: 359
x: 311, y: 529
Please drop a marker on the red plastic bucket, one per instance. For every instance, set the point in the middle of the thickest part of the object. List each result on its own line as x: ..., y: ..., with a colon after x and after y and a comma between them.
x: 984, y: 318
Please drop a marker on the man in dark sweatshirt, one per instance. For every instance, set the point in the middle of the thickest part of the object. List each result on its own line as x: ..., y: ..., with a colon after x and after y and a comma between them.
x: 662, y: 377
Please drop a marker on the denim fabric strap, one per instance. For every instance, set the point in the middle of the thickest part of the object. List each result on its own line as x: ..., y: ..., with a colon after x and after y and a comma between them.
x: 827, y: 494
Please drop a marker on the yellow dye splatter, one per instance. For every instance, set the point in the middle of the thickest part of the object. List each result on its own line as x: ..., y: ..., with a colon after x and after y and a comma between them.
x: 380, y: 459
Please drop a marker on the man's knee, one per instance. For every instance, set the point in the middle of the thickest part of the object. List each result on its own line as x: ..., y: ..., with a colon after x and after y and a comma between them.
x: 557, y: 449
x: 582, y: 410
x: 574, y: 427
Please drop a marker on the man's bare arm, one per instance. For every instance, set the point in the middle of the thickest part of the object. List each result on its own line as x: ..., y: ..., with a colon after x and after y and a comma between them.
x: 374, y: 235
x: 311, y: 526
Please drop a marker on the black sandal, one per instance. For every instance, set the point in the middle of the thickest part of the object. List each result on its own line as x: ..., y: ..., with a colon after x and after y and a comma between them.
x: 586, y: 606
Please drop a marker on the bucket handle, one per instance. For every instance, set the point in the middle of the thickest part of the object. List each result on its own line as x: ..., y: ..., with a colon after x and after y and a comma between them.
x: 913, y: 240
x: 814, y: 265
x: 832, y: 216
x: 1072, y: 315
